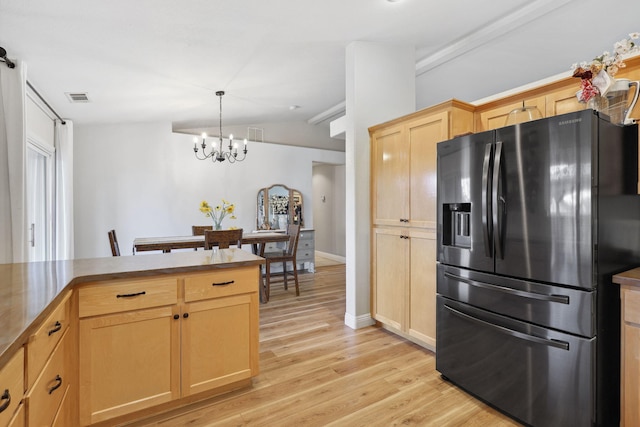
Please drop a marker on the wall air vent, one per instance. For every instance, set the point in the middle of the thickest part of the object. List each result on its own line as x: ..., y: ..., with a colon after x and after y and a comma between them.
x: 77, y: 96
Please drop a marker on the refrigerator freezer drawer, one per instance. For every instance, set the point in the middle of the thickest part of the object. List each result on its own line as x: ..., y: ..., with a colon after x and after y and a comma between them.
x: 539, y: 376
x: 556, y: 307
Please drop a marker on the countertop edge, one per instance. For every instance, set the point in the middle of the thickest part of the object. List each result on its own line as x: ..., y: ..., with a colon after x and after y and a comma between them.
x: 628, y: 278
x: 8, y: 349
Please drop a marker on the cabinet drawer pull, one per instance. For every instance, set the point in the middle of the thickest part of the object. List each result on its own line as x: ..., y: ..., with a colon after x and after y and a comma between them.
x: 58, y: 379
x: 56, y: 328
x: 5, y: 396
x: 130, y: 295
x: 223, y: 283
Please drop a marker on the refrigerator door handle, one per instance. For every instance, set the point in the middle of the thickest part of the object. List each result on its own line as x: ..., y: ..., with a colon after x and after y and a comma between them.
x: 486, y: 194
x: 495, y: 198
x: 562, y: 299
x: 532, y: 338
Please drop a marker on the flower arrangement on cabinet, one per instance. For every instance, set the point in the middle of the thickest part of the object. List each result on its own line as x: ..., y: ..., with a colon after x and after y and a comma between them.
x: 218, y: 213
x: 597, y: 76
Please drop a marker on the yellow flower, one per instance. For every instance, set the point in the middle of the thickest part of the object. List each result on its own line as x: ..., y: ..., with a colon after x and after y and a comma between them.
x: 205, y: 208
x: 219, y: 212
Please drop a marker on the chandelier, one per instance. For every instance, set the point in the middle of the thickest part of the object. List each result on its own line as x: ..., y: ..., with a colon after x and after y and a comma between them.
x: 216, y: 149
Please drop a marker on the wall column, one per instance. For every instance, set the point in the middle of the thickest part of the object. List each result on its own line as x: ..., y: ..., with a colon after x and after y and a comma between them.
x: 380, y: 86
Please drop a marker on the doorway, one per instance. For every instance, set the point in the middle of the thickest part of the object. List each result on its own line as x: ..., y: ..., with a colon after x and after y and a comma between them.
x: 328, y: 185
x: 39, y: 200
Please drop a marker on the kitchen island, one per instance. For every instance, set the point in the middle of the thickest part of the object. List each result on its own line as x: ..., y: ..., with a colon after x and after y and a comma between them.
x: 111, y: 339
x: 629, y: 282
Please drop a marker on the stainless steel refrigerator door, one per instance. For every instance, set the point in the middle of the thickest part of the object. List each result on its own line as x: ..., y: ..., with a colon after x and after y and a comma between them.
x: 543, y: 200
x: 566, y: 309
x: 539, y: 376
x: 464, y: 222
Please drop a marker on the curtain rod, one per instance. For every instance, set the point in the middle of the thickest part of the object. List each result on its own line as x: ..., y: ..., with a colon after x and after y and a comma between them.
x: 46, y: 103
x: 10, y: 64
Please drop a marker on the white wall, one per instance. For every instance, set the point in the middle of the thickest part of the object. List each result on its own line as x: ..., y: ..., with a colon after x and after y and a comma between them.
x: 380, y: 86
x: 143, y: 180
x: 329, y: 208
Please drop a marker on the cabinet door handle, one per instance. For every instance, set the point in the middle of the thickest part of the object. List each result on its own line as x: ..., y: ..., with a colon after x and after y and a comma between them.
x: 5, y: 396
x: 223, y: 283
x: 130, y: 295
x: 56, y: 328
x: 176, y: 316
x: 58, y: 379
x: 185, y: 315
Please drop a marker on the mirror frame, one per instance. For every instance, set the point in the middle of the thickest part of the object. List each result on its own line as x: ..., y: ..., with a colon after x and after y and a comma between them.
x: 265, y: 217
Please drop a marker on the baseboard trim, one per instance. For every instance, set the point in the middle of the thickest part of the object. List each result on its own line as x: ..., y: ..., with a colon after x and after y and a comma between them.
x: 357, y: 322
x: 332, y: 256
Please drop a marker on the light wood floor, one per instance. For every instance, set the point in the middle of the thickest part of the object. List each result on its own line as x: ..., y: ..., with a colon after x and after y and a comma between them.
x: 315, y: 371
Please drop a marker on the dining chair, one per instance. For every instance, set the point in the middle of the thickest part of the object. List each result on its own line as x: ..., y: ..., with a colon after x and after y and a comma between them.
x: 113, y: 241
x: 284, y: 256
x: 222, y: 238
x: 198, y: 230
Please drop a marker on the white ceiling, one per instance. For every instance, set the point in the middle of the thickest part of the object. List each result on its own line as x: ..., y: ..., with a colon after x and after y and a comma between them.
x: 163, y: 60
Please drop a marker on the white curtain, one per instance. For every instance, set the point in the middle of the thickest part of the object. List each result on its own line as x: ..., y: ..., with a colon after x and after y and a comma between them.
x: 13, y: 151
x: 64, y: 190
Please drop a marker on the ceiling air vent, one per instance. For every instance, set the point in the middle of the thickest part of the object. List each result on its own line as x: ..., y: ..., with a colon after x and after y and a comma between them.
x: 77, y: 96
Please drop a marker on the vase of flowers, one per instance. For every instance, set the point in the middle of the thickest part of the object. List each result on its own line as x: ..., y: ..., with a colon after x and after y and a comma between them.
x: 218, y: 213
x: 597, y: 76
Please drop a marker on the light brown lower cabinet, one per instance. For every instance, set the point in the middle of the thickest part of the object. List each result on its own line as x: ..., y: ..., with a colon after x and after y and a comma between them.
x: 187, y: 335
x: 404, y: 282
x: 44, y: 399
x: 11, y: 388
x: 128, y: 362
x: 19, y: 418
x: 630, y: 355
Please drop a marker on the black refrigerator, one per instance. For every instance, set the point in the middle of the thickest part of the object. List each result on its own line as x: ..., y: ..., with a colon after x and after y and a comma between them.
x: 533, y: 221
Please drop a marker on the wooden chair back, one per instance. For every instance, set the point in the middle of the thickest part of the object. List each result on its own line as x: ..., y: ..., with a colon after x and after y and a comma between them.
x: 113, y: 241
x: 198, y: 230
x: 293, y: 231
x: 288, y: 255
x: 222, y: 238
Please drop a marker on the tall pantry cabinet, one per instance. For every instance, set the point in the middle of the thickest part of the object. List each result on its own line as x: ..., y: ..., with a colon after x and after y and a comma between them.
x: 403, y: 216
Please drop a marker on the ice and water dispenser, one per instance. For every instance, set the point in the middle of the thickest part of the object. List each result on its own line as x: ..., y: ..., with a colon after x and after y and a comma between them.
x: 456, y: 227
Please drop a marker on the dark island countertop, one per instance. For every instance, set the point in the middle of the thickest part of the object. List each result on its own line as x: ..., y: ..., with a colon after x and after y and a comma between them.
x: 29, y: 291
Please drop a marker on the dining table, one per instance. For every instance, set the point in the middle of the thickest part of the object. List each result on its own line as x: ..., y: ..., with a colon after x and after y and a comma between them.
x: 257, y: 240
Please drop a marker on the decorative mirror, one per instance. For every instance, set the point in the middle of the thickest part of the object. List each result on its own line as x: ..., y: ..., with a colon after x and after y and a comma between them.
x: 279, y: 206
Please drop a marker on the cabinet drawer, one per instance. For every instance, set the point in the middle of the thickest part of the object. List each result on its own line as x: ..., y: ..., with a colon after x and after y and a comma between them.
x: 305, y: 244
x: 631, y: 306
x: 305, y: 255
x: 18, y: 419
x: 221, y: 283
x: 126, y: 295
x: 63, y: 417
x: 306, y: 235
x: 11, y: 386
x: 47, y: 392
x: 42, y: 343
